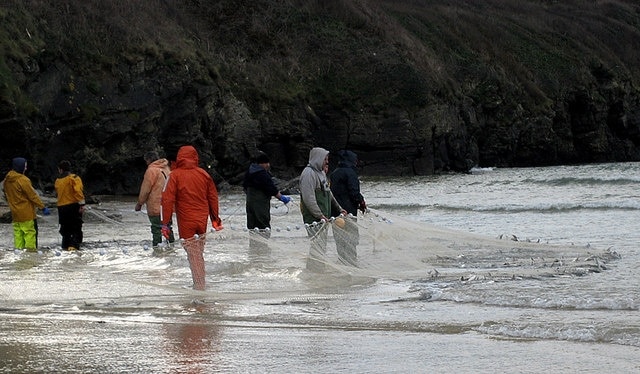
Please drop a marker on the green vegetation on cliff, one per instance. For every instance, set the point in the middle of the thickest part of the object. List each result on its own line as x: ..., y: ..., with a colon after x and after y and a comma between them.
x: 339, y: 51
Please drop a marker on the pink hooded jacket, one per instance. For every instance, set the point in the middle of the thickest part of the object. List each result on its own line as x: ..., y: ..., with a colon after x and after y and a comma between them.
x: 152, y: 185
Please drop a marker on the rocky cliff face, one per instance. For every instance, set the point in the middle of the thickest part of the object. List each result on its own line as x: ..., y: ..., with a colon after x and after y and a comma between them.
x: 402, y: 114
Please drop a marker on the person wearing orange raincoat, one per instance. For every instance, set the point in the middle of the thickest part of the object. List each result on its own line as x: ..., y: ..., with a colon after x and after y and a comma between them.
x: 151, y: 193
x: 192, y: 194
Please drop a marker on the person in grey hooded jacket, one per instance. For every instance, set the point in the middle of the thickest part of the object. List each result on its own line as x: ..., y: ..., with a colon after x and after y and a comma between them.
x: 316, y: 204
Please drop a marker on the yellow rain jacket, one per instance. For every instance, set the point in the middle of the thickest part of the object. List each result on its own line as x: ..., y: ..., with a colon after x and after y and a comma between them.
x: 21, y: 197
x: 69, y: 189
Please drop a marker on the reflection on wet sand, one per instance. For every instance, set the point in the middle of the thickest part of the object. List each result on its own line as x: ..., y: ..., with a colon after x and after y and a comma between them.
x: 192, y: 345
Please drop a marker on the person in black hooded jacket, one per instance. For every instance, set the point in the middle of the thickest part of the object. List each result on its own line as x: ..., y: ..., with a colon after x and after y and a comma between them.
x: 345, y: 187
x: 345, y: 184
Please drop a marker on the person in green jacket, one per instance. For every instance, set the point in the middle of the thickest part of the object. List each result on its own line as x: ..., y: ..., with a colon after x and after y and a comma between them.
x: 316, y: 204
x: 23, y: 201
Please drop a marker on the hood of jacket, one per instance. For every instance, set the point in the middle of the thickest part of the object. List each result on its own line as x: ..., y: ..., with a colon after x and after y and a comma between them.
x: 254, y: 168
x: 161, y: 163
x: 12, y: 176
x: 316, y: 158
x: 347, y: 159
x: 187, y: 157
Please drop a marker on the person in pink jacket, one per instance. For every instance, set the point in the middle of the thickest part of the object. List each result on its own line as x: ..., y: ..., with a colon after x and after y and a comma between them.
x: 192, y: 194
x: 151, y: 193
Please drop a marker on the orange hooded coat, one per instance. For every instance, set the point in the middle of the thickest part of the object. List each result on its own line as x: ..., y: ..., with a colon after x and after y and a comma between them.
x: 152, y: 184
x: 191, y: 192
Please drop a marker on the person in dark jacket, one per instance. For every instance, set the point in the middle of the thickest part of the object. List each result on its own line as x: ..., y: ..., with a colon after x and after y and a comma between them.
x: 345, y: 184
x: 259, y: 187
x: 345, y: 187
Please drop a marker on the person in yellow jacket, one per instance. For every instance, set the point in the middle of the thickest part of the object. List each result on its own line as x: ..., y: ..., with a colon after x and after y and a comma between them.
x: 151, y: 193
x: 70, y: 206
x: 23, y: 201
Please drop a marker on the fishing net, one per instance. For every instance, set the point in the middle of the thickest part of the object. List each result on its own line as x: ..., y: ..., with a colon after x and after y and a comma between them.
x: 380, y: 245
x: 294, y: 259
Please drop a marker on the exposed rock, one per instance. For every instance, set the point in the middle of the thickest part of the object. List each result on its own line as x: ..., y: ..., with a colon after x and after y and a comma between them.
x: 410, y: 95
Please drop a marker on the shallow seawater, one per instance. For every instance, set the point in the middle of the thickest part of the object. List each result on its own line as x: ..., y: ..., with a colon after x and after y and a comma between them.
x: 526, y: 269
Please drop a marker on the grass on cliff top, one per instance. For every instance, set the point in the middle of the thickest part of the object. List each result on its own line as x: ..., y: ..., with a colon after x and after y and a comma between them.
x: 344, y: 53
x: 17, y: 46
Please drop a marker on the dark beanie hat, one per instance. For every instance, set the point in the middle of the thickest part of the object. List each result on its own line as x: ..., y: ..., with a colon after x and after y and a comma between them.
x: 19, y: 164
x: 151, y: 156
x: 262, y: 158
x: 64, y: 165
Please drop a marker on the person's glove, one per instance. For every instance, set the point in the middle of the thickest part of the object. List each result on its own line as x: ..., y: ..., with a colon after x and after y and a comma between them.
x: 285, y: 199
x: 363, y: 207
x: 217, y: 224
x: 166, y: 231
x: 46, y: 211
